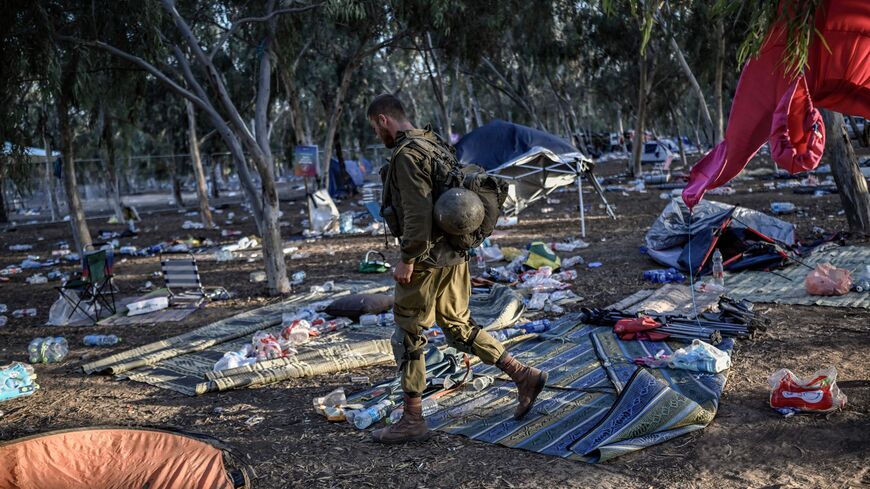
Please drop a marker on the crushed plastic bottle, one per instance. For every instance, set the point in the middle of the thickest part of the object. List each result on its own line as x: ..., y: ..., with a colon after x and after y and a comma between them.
x: 51, y: 349
x: 481, y: 383
x: 101, y: 340
x: 505, y: 334
x: 371, y: 415
x: 663, y: 276
x: 16, y: 380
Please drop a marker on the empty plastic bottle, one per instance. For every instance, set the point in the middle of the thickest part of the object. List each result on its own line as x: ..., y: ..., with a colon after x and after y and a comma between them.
x: 539, y: 326
x: 101, y: 340
x: 382, y: 319
x: 481, y: 383
x: 718, y: 269
x: 504, y: 334
x: 430, y: 406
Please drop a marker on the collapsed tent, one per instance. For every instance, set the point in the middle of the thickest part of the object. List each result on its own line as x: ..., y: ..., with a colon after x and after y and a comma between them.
x: 535, y: 162
x: 116, y: 458
x: 748, y: 239
x: 344, y: 180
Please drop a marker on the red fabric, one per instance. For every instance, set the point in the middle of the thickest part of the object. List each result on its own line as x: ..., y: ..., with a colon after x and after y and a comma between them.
x: 769, y: 105
x: 639, y: 329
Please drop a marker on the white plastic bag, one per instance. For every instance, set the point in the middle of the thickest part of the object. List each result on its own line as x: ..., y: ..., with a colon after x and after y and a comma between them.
x: 324, y: 213
x: 701, y: 357
x: 147, y: 305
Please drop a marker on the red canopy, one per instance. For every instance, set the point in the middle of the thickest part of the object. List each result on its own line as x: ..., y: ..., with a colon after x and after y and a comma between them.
x: 770, y: 105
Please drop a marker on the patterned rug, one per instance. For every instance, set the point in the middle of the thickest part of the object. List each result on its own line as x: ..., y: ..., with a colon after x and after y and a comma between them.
x: 184, y: 363
x: 597, y: 405
x: 786, y: 286
x: 671, y: 298
x: 170, y: 314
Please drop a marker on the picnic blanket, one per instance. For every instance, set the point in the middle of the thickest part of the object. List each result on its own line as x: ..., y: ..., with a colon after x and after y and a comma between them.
x: 184, y: 363
x: 597, y: 405
x: 670, y: 298
x: 786, y: 286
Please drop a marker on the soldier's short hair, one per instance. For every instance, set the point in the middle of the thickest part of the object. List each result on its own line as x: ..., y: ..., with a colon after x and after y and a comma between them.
x: 387, y: 104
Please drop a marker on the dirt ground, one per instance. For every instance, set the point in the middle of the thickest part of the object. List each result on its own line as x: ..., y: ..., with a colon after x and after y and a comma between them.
x: 747, y: 445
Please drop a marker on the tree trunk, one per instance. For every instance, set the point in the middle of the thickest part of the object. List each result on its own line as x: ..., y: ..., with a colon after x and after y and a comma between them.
x: 176, y: 184
x: 848, y: 177
x: 334, y: 116
x: 81, y: 234
x: 475, y: 105
x: 111, y: 176
x: 215, y: 177
x: 4, y: 217
x: 621, y: 138
x: 50, y: 183
x: 196, y: 161
x: 702, y: 102
x: 436, y: 78
x: 636, y: 168
x: 719, y: 126
x: 273, y: 246
x: 859, y: 135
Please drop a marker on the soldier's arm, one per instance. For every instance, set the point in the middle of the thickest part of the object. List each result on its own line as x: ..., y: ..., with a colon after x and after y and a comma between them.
x: 415, y: 188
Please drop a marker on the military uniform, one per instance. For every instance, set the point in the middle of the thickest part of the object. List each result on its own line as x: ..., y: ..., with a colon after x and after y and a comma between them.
x: 440, y: 284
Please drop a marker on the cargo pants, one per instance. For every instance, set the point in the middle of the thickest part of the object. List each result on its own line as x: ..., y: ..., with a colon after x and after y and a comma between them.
x: 436, y: 295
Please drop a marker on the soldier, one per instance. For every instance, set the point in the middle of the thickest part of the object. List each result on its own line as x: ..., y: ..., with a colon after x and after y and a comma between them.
x: 432, y: 279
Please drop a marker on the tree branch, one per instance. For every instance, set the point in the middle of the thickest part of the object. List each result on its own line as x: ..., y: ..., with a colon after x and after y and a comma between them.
x: 226, y: 35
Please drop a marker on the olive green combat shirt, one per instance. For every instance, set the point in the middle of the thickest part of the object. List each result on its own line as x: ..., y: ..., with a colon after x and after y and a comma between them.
x: 422, y: 243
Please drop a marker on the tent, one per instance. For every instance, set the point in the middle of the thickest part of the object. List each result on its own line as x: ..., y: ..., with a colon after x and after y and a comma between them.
x: 120, y: 457
x: 747, y: 239
x: 534, y: 162
x: 343, y: 181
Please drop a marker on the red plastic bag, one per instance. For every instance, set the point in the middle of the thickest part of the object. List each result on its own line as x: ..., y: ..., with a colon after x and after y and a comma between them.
x: 789, y: 393
x: 827, y: 279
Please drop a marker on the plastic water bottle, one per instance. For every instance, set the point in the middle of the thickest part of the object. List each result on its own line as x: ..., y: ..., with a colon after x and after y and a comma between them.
x: 718, y: 270
x: 481, y: 383
x: 430, y: 406
x: 382, y: 319
x: 505, y: 334
x: 480, y: 261
x: 101, y: 340
x: 371, y: 415
x: 539, y: 326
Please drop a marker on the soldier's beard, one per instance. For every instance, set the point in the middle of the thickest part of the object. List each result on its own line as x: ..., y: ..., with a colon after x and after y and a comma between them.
x: 387, y: 138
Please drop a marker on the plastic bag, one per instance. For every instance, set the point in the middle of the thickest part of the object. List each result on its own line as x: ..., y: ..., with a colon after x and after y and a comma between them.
x: 827, y: 279
x: 147, y: 305
x: 701, y: 357
x: 61, y: 312
x: 790, y: 393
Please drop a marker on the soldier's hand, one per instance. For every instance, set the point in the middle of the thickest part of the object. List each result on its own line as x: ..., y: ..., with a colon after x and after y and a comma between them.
x: 402, y: 272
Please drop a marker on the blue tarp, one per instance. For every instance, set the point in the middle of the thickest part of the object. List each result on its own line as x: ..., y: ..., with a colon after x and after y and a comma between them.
x: 500, y: 141
x: 339, y: 184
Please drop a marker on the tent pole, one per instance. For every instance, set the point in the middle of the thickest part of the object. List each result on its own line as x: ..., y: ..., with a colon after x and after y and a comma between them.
x: 580, y: 195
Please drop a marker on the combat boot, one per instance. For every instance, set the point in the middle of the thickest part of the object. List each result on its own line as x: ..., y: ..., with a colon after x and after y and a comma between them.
x: 412, y: 426
x: 530, y: 382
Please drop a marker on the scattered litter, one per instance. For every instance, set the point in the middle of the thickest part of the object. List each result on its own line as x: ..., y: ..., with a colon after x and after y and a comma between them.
x: 258, y: 276
x: 297, y: 278
x: 506, y: 221
x: 722, y: 191
x: 359, y: 379
x: 299, y: 256
x: 697, y: 357
x: 791, y: 394
x: 861, y: 284
x: 254, y: 420
x: 226, y: 233
x: 20, y: 247
x: 594, y: 264
x: 20, y: 313
x: 372, y: 265
x: 663, y: 276
x: 3, y: 321
x: 571, y: 261
x: 16, y: 380
x: 382, y: 319
x: 782, y: 207
x: 51, y: 349
x: 37, y: 279
x: 100, y: 340
x: 192, y: 225
x: 147, y: 305
x: 827, y: 279
x: 570, y: 245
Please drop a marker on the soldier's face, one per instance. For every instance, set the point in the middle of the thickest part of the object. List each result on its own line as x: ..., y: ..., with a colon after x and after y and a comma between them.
x: 380, y: 125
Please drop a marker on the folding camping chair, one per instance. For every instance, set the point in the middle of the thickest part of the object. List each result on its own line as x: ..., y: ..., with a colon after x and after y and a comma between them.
x: 94, y: 287
x: 182, y: 274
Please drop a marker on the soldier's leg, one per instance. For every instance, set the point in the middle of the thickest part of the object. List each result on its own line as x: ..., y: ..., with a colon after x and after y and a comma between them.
x: 414, y: 311
x: 451, y: 313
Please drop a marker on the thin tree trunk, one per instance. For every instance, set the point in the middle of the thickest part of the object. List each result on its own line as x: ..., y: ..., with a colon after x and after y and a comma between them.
x: 196, y: 161
x: 702, y: 102
x: 436, y: 78
x: 475, y: 105
x: 176, y: 184
x: 848, y: 177
x: 4, y: 217
x: 81, y: 234
x: 215, y: 177
x: 621, y: 138
x: 50, y: 183
x: 111, y: 176
x: 637, y: 145
x: 859, y: 135
x: 719, y: 126
x: 335, y: 115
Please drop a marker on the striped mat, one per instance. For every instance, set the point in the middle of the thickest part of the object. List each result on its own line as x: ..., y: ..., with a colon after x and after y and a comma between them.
x: 787, y: 286
x: 597, y: 405
x: 184, y: 363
